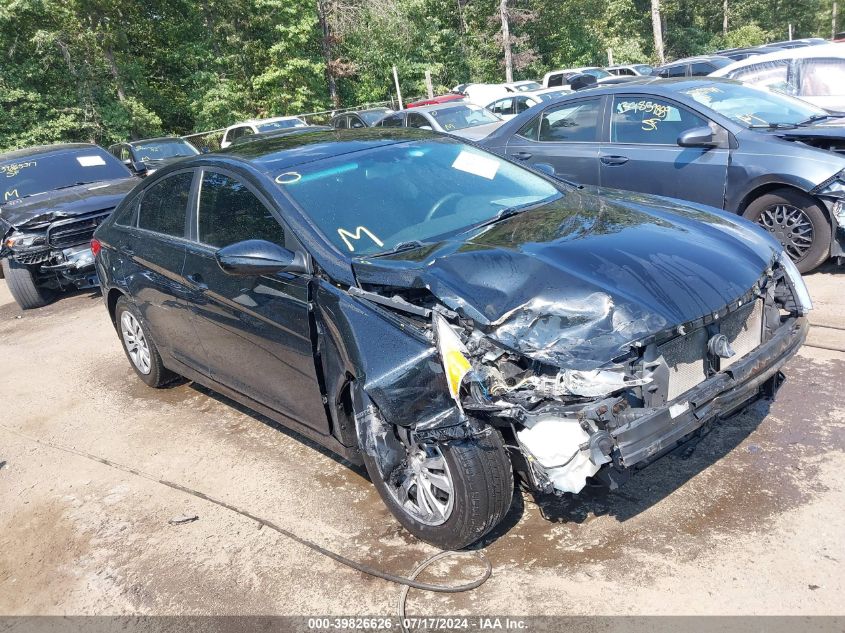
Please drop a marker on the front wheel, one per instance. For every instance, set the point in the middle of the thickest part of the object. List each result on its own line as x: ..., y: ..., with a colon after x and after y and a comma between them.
x: 798, y: 222
x: 447, y: 494
x: 23, y: 285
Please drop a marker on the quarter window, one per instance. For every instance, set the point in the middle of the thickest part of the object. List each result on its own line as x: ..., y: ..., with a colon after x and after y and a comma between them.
x: 229, y: 212
x: 571, y: 122
x: 417, y: 120
x: 164, y: 204
x: 647, y: 120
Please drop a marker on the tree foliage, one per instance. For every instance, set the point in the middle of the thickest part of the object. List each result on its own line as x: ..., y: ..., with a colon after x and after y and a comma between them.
x: 107, y: 70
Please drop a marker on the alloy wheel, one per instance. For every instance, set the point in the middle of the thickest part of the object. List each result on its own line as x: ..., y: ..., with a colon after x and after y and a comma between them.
x: 135, y: 342
x: 423, y: 486
x: 790, y: 226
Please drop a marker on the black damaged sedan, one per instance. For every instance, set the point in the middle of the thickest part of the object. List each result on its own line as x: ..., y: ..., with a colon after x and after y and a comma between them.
x: 445, y: 316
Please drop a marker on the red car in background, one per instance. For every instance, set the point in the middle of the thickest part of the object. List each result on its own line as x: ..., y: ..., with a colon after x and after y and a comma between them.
x: 436, y: 100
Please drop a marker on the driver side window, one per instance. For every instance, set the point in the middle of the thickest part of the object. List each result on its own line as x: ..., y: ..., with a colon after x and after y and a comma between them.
x: 229, y: 212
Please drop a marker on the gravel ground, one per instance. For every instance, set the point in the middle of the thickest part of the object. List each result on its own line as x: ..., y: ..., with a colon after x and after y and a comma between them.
x: 750, y: 523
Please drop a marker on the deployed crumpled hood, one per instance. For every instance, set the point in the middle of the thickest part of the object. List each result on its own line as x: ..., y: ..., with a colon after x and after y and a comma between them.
x: 575, y: 282
x: 47, y: 207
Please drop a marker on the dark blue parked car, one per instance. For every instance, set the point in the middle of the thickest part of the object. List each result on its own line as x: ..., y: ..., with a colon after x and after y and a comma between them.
x: 776, y: 160
x: 446, y: 316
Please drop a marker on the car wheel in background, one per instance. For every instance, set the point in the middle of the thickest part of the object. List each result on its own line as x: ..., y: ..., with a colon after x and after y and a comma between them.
x: 449, y: 494
x: 22, y: 284
x: 139, y: 345
x: 798, y: 222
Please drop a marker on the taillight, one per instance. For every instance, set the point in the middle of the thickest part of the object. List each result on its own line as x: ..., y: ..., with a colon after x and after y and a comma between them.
x: 96, y: 246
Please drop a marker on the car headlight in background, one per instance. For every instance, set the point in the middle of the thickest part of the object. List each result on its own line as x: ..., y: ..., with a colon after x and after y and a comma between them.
x: 24, y: 240
x: 452, y: 355
x: 796, y: 283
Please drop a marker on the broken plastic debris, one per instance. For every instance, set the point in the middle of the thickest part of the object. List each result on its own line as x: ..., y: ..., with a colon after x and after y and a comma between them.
x: 183, y: 518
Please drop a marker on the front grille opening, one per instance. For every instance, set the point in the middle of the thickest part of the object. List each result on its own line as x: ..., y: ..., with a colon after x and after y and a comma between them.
x: 686, y: 356
x: 74, y: 231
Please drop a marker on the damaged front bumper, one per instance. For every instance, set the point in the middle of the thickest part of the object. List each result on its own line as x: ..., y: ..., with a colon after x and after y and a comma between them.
x: 660, y: 429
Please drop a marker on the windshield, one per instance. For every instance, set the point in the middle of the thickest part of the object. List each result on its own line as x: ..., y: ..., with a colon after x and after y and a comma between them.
x: 528, y: 86
x: 370, y: 201
x: 752, y: 107
x: 280, y: 125
x: 57, y: 170
x: 643, y: 69
x: 158, y: 150
x: 459, y: 117
x: 373, y: 116
x: 598, y: 73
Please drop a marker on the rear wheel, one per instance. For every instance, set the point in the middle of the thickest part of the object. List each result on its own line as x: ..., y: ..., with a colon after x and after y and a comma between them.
x: 139, y: 345
x: 22, y: 282
x: 798, y: 222
x: 447, y: 494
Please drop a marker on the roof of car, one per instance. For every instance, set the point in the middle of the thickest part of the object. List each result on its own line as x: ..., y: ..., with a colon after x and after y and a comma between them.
x: 268, y: 120
x: 821, y: 50
x: 697, y: 58
x: 275, y: 153
x: 441, y: 106
x: 45, y: 149
x: 159, y: 139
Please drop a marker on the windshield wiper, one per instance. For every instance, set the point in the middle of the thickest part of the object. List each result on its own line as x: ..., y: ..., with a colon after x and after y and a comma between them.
x: 774, y: 126
x: 402, y: 246
x: 818, y: 117
x: 507, y: 212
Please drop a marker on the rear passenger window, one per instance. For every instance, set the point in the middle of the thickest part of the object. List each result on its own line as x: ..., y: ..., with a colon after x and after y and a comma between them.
x: 571, y: 122
x: 229, y: 212
x: 675, y: 71
x: 164, y: 204
x: 646, y: 120
x: 392, y: 121
x: 701, y: 69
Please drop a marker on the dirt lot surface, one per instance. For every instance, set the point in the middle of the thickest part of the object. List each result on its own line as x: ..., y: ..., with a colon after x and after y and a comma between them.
x: 751, y: 522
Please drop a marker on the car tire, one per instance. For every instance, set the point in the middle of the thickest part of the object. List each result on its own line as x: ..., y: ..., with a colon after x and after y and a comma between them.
x: 482, y: 484
x: 783, y: 212
x: 22, y: 284
x: 139, y: 346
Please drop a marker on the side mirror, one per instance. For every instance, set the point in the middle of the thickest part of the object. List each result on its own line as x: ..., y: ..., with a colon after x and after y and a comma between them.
x: 139, y: 167
x: 205, y: 150
x: 259, y: 257
x: 697, y: 137
x: 545, y: 168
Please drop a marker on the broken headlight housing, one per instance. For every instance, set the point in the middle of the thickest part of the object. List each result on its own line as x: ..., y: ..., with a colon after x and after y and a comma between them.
x: 453, y: 355
x: 25, y: 240
x: 796, y: 283
x: 833, y: 187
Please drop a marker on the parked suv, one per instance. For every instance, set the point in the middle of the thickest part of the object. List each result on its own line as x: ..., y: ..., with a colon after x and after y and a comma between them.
x: 445, y: 316
x: 259, y: 126
x: 52, y: 199
x: 692, y: 66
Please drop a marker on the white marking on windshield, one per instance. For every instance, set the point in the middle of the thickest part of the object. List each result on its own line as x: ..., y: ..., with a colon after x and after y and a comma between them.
x: 346, y: 236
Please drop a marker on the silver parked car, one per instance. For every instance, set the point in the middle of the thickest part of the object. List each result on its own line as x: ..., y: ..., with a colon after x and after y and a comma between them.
x: 466, y: 120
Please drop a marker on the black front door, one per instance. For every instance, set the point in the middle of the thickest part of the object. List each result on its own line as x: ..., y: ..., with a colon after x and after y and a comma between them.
x: 256, y: 330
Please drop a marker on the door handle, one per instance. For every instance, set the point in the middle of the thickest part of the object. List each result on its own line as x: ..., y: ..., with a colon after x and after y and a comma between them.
x: 197, y: 280
x: 522, y: 155
x: 614, y: 161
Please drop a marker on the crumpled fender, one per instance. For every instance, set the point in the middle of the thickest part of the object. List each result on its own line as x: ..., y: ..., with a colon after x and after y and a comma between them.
x: 397, y: 367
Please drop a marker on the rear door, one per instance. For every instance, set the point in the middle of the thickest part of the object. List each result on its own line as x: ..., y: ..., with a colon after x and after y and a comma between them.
x: 155, y: 249
x: 256, y: 330
x: 566, y: 136
x: 643, y: 153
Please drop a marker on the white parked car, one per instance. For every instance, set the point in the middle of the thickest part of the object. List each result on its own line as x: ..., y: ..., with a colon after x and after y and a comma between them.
x: 257, y: 126
x: 561, y: 78
x: 813, y: 73
x: 630, y: 70
x: 508, y: 107
x: 526, y: 85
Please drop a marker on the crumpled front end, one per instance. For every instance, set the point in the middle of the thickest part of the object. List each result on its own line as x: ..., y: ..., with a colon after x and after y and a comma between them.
x: 578, y: 391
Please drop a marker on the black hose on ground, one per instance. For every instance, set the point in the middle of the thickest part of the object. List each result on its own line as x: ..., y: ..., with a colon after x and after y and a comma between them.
x: 408, y: 582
